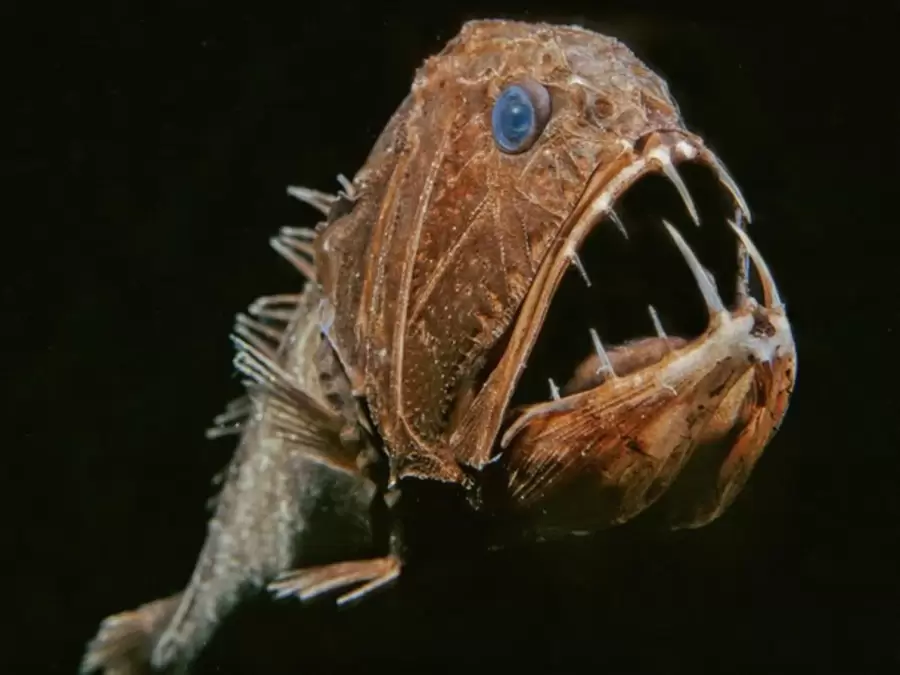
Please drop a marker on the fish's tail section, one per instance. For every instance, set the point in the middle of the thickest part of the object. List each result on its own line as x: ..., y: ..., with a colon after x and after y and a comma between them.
x: 295, y: 490
x: 249, y: 539
x: 124, y: 642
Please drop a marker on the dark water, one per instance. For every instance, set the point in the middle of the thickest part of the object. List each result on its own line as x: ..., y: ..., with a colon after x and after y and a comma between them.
x: 154, y: 147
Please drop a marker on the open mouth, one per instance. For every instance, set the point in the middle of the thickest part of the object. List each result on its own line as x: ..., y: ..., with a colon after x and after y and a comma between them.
x: 628, y: 297
x: 641, y: 330
x: 641, y: 357
x: 635, y: 282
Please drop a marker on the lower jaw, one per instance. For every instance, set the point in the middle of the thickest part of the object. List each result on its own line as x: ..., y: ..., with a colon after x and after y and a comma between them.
x: 709, y: 404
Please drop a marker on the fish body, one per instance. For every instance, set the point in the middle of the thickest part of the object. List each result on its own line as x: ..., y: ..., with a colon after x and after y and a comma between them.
x: 429, y: 283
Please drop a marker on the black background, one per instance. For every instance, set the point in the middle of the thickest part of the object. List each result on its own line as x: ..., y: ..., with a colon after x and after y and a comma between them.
x: 150, y: 153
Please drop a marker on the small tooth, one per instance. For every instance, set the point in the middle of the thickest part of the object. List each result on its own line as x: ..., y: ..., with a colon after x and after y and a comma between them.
x: 613, y: 216
x: 672, y: 174
x: 770, y: 290
x: 730, y: 184
x: 657, y: 324
x: 701, y: 276
x: 554, y: 390
x: 605, y: 363
x: 573, y: 256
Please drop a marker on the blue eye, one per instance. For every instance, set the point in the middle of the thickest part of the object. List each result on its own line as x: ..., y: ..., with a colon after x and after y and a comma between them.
x: 519, y: 116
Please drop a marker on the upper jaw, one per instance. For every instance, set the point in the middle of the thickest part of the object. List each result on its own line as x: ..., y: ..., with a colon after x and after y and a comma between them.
x: 657, y: 152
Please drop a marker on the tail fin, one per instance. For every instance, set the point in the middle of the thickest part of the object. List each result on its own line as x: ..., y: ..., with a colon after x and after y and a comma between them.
x: 125, y: 641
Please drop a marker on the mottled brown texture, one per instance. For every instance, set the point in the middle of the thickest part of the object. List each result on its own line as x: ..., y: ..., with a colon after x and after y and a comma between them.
x: 430, y: 280
x: 453, y: 252
x: 620, y: 447
x: 448, y: 233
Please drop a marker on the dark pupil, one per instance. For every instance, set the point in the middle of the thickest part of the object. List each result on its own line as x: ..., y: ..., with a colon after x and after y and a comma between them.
x: 516, y: 118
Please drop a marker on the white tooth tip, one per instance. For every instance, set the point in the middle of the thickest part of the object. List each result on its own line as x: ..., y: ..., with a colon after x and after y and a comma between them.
x: 657, y: 324
x: 554, y: 390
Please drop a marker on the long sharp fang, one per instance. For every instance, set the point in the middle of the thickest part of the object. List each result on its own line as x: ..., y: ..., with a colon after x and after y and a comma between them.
x: 672, y: 174
x: 729, y: 183
x: 771, y: 296
x: 573, y: 256
x: 320, y: 201
x: 613, y: 216
x: 605, y: 363
x: 710, y: 295
x: 657, y: 324
x: 554, y: 390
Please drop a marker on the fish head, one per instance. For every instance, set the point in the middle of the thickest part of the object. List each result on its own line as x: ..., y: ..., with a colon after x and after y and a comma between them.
x: 517, y: 143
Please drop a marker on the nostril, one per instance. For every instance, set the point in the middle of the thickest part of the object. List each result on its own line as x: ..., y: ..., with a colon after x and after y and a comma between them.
x: 602, y: 108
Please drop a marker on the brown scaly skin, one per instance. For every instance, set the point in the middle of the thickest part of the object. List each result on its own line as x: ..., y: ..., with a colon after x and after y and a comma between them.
x: 430, y: 281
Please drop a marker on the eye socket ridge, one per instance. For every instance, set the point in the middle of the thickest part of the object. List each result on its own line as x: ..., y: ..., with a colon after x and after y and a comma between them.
x: 520, y: 114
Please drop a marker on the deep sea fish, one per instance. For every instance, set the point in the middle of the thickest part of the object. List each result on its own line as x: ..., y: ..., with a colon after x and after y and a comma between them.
x: 532, y: 209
